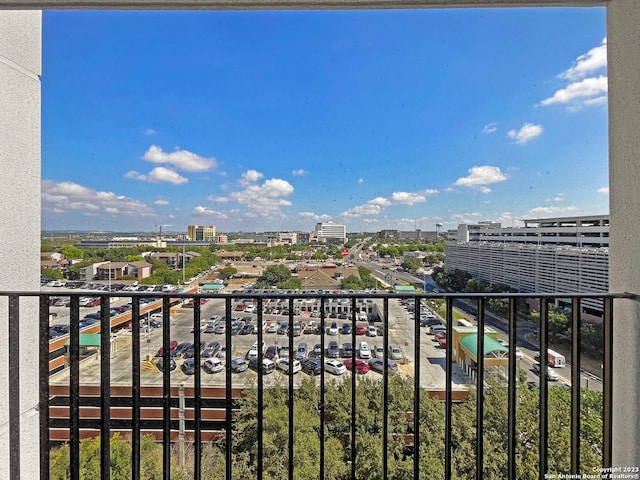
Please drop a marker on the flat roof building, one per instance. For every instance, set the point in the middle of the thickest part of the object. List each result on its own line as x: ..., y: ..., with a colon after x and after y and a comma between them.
x: 568, y: 254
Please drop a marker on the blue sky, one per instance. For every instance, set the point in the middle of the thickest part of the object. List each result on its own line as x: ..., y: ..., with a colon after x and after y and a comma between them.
x: 256, y: 121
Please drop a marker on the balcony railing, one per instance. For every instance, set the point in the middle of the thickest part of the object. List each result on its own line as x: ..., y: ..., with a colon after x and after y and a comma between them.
x: 98, y: 404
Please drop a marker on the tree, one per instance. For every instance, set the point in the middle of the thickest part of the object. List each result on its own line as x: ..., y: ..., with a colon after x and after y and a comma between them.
x: 273, y: 275
x: 53, y: 274
x: 227, y: 272
x: 69, y: 251
x: 351, y: 283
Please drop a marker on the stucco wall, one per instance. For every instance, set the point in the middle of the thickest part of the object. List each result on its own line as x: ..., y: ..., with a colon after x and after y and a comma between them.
x: 20, y: 68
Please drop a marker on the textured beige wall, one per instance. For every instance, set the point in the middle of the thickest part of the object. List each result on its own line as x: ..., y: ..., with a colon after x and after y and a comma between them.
x: 20, y: 68
x: 623, y: 41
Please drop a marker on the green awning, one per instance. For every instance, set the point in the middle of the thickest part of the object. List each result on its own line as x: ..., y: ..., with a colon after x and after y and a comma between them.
x: 87, y: 340
x: 470, y: 343
x: 212, y: 287
x: 404, y: 288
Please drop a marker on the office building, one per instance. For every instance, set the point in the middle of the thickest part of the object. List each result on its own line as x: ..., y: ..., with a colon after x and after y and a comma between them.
x: 197, y: 233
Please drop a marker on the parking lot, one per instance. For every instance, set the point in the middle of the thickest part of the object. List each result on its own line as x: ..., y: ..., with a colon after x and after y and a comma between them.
x: 401, y: 336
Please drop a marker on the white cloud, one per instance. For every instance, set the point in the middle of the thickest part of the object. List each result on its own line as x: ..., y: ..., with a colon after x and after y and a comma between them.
x: 298, y: 173
x: 380, y: 201
x: 481, y: 176
x: 267, y: 198
x: 490, y: 128
x: 593, y: 60
x: 202, y: 210
x: 589, y: 91
x: 360, y: 181
x: 551, y: 210
x: 64, y: 197
x: 213, y: 198
x: 180, y: 159
x: 149, y: 131
x: 527, y: 132
x: 158, y: 175
x: 250, y: 176
x: 366, y: 209
x: 407, y: 198
x: 161, y: 202
x: 603, y: 190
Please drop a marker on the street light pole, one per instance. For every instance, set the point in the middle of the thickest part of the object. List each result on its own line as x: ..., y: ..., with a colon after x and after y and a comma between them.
x: 183, y: 264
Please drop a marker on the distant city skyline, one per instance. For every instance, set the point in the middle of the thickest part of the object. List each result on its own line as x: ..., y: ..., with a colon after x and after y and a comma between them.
x: 275, y: 121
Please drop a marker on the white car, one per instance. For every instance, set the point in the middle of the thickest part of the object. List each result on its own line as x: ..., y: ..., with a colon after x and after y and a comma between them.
x: 378, y: 351
x: 335, y: 366
x: 283, y: 364
x: 271, y: 327
x: 395, y: 353
x: 372, y: 331
x: 333, y: 329
x: 364, y: 351
x: 212, y: 365
x: 250, y: 309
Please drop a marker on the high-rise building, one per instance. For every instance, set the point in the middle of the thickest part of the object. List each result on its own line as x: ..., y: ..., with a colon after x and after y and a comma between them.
x: 197, y: 233
x: 330, y: 231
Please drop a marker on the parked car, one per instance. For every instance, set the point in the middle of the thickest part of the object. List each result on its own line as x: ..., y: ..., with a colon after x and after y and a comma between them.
x: 364, y: 351
x: 311, y: 366
x: 335, y: 366
x: 372, y: 331
x: 377, y: 364
x: 360, y: 329
x: 268, y: 366
x: 301, y: 351
x: 221, y: 328
x: 347, y: 349
x: 284, y: 327
x: 316, y: 352
x: 333, y: 350
x: 190, y: 352
x: 284, y: 350
x: 180, y: 349
x: 188, y: 367
x: 271, y: 353
x: 378, y: 351
x: 346, y: 328
x: 437, y: 328
x: 271, y: 327
x: 333, y: 329
x: 238, y: 365
x: 283, y: 364
x: 395, y: 353
x: 253, y: 351
x: 361, y: 366
x: 160, y: 364
x: 172, y: 346
x: 211, y: 350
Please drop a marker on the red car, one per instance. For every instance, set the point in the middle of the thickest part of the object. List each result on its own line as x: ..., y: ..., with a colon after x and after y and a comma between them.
x: 361, y: 367
x: 360, y: 329
x: 440, y: 336
x: 172, y: 346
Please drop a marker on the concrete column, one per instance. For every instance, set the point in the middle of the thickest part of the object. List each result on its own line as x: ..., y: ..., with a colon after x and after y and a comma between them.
x: 623, y: 39
x: 20, y: 68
